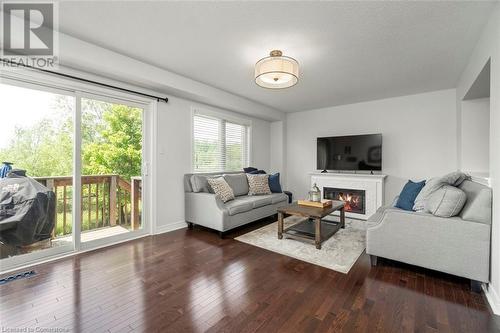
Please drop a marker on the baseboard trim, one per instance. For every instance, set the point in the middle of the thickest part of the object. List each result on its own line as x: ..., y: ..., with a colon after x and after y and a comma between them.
x: 492, y: 298
x: 170, y: 227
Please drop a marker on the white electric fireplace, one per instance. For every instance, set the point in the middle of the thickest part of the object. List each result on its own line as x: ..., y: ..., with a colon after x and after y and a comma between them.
x: 362, y: 193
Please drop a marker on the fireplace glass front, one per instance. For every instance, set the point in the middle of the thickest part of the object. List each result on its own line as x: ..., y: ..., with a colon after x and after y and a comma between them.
x: 354, y: 199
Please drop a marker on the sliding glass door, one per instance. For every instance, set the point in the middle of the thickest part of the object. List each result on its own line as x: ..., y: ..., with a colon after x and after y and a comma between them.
x: 36, y: 181
x: 71, y: 171
x: 111, y: 168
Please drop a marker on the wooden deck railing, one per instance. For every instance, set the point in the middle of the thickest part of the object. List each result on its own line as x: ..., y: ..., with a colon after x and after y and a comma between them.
x: 106, y: 200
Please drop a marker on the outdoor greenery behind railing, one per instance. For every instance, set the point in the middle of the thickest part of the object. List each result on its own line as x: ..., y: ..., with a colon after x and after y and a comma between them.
x: 107, y: 200
x: 111, y: 141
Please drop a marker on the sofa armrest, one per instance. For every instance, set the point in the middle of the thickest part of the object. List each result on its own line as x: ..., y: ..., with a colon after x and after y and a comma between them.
x: 379, y: 216
x: 290, y: 196
x: 204, y: 209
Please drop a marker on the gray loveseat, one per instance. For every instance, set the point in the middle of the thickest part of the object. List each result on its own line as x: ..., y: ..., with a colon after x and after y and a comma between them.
x: 457, y: 245
x: 205, y: 209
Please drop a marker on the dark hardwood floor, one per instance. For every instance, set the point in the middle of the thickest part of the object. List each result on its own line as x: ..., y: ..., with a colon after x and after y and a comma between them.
x: 192, y: 281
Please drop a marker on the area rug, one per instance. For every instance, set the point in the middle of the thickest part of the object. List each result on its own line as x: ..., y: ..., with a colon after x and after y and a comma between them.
x: 338, y: 253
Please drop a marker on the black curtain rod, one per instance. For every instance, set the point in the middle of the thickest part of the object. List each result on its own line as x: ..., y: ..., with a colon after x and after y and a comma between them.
x: 10, y: 62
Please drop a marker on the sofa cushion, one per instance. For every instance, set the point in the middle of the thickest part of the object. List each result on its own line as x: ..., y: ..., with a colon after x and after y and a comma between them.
x: 258, y: 184
x: 246, y: 203
x: 278, y: 197
x: 407, y: 196
x: 199, y: 183
x: 260, y: 201
x: 239, y: 205
x: 238, y: 183
x: 478, y: 205
x: 221, y: 188
x: 447, y: 201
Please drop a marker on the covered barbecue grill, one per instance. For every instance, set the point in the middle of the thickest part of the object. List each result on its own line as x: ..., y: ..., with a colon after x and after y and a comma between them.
x: 27, y: 211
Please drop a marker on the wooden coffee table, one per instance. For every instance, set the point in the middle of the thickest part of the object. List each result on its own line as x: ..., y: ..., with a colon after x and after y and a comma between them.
x: 312, y: 228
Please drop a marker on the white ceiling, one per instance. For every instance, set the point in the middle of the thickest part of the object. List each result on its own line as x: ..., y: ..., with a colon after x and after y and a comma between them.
x: 348, y: 51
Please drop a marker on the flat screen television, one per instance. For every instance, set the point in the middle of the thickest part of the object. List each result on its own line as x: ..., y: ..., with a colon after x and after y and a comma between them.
x: 353, y: 152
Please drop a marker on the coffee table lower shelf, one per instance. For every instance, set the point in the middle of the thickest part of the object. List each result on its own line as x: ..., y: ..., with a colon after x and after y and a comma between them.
x: 306, y: 230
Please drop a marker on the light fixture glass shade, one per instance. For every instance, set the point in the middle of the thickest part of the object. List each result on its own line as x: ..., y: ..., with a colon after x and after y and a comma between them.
x: 276, y: 71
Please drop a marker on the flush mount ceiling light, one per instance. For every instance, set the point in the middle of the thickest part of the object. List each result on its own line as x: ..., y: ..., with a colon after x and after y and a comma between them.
x: 276, y: 71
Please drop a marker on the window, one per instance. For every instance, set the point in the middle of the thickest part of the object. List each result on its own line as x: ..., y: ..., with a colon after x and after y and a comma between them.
x: 219, y: 144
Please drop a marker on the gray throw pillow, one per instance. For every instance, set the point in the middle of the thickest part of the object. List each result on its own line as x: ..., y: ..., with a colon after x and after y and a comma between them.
x: 453, y: 178
x: 478, y: 205
x: 238, y: 183
x: 199, y: 183
x: 221, y: 189
x: 430, y: 186
x: 447, y: 201
x: 258, y: 184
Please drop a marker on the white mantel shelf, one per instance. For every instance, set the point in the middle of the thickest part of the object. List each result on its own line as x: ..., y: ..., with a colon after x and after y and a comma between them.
x: 348, y: 175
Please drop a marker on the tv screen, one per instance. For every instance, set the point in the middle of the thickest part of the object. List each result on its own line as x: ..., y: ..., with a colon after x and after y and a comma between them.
x: 353, y: 152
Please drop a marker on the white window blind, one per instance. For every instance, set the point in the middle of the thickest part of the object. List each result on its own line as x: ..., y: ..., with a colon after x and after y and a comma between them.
x: 219, y: 144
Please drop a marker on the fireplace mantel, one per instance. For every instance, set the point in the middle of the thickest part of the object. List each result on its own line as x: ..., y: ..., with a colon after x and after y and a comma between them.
x: 348, y: 175
x: 373, y: 185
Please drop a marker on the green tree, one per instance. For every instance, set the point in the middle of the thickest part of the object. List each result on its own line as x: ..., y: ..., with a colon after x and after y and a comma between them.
x: 44, y: 149
x: 111, y: 141
x: 117, y: 145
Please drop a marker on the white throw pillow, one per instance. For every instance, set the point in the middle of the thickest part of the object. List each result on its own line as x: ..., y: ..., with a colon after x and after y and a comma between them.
x: 221, y: 189
x: 258, y: 184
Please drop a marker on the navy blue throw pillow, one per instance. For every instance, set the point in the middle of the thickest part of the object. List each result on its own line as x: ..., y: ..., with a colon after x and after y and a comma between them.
x: 407, y: 196
x: 249, y: 169
x: 274, y: 183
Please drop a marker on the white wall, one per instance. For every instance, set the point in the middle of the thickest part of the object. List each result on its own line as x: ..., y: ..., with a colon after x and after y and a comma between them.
x: 419, y: 137
x: 277, y: 142
x: 488, y: 47
x: 173, y: 149
x: 475, y: 128
x: 174, y: 157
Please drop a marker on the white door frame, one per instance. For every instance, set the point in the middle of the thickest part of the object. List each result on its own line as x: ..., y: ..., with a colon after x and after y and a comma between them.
x: 44, y: 82
x: 147, y: 133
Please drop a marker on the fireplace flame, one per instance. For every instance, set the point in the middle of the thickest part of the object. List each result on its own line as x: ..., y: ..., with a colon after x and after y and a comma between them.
x: 350, y: 201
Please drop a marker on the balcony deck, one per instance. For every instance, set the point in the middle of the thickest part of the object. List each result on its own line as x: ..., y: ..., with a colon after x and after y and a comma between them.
x: 110, y: 205
x: 91, y: 235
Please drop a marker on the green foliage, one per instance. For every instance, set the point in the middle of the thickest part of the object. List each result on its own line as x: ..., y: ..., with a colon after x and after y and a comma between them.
x: 44, y: 149
x: 111, y: 141
x: 233, y: 157
x: 117, y: 146
x: 206, y: 155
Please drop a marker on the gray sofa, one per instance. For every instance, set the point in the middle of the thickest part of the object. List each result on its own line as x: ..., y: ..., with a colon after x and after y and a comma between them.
x: 205, y: 209
x: 457, y: 245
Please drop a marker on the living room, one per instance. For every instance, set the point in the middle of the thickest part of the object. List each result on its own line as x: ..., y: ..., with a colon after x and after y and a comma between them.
x: 155, y: 101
